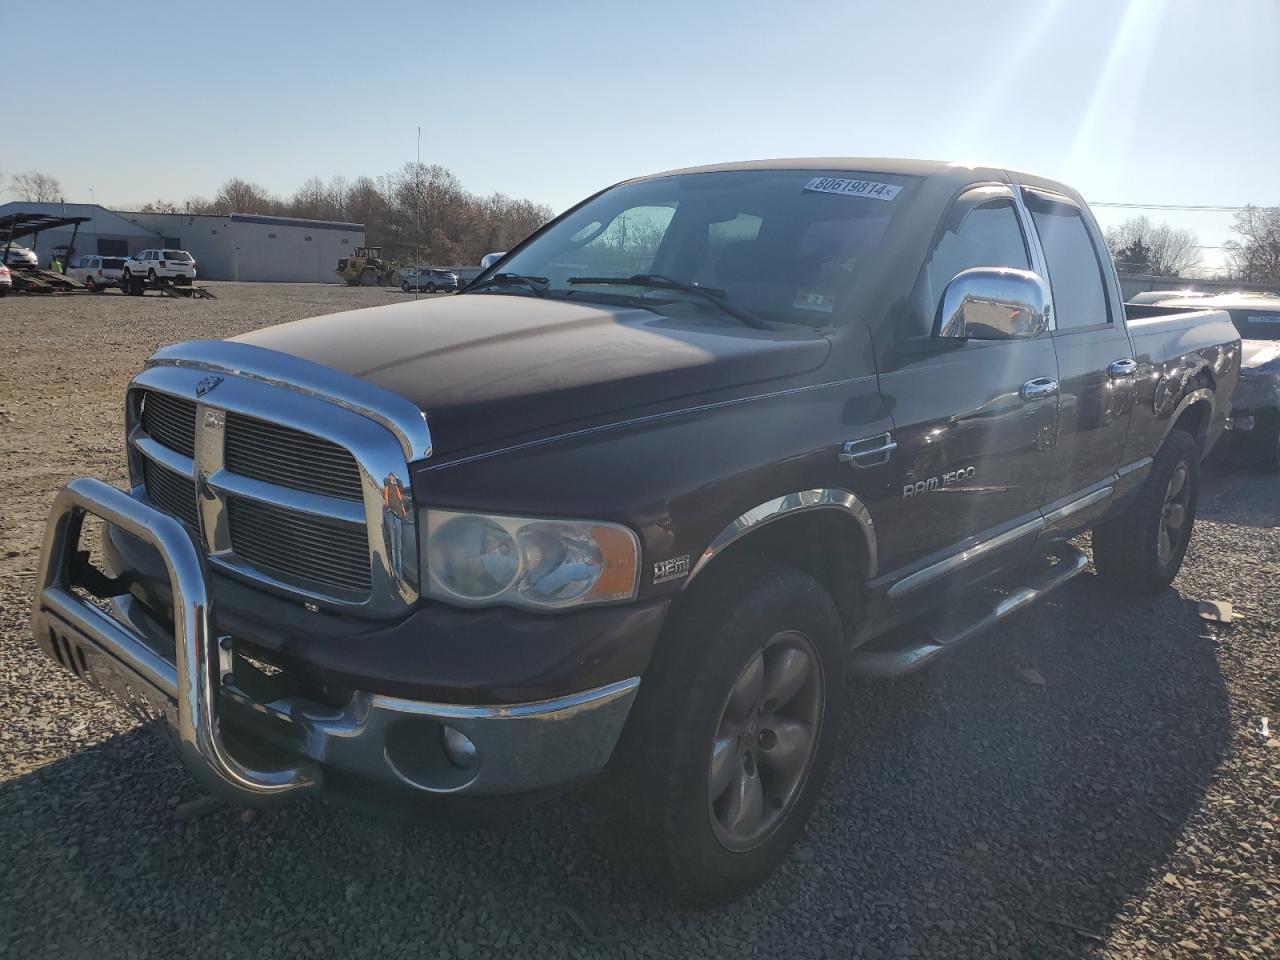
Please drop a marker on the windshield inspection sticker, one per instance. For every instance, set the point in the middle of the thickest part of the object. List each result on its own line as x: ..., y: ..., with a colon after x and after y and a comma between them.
x: 1264, y: 318
x: 814, y: 301
x: 853, y: 188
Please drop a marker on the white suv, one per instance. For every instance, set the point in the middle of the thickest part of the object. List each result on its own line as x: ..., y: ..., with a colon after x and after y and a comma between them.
x: 152, y: 265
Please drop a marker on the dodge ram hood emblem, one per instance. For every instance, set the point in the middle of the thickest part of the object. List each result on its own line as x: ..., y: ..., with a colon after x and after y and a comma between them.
x: 207, y: 384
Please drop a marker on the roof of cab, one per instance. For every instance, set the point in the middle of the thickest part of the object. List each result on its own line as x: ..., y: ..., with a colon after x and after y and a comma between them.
x: 960, y: 173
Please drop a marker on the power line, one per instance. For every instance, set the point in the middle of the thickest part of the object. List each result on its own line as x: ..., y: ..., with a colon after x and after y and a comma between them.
x: 1184, y: 207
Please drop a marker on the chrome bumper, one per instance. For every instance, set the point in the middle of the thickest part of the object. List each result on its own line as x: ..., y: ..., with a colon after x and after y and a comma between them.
x: 519, y: 748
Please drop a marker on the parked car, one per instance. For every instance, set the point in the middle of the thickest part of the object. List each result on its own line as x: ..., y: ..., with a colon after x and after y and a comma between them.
x: 635, y: 503
x: 16, y: 255
x: 6, y: 281
x: 175, y: 266
x: 1254, y: 428
x: 95, y: 272
x: 1160, y: 296
x: 429, y: 280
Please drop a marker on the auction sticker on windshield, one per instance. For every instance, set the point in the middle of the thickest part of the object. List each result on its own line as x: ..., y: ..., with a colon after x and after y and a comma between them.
x: 853, y: 188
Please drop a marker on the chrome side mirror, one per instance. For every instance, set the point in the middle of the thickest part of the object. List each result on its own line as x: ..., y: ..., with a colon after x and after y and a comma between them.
x: 489, y: 259
x: 993, y: 303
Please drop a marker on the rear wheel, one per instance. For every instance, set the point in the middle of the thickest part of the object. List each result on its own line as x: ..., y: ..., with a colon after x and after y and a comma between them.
x: 1141, y: 550
x: 90, y: 285
x: 404, y: 285
x: 368, y: 277
x: 431, y: 288
x: 730, y: 738
x: 151, y: 276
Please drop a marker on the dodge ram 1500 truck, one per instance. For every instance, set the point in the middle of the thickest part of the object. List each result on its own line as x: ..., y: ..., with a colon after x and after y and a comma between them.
x: 637, y: 500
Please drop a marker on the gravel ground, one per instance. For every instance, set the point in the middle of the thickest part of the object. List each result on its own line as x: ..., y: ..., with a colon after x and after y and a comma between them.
x: 1126, y: 807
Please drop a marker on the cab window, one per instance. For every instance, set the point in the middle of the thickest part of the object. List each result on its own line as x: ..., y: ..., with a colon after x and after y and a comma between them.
x: 1075, y: 270
x: 982, y: 230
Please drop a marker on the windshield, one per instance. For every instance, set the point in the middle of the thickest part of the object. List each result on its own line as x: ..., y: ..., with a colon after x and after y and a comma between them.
x: 781, y: 245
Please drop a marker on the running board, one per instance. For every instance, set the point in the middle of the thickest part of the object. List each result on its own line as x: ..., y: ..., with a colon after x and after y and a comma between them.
x: 951, y: 626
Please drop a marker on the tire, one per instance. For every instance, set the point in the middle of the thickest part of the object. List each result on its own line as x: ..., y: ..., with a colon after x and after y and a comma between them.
x: 368, y: 277
x: 1130, y: 551
x: 431, y: 288
x: 92, y: 287
x: 656, y: 806
x: 151, y: 276
x: 404, y: 286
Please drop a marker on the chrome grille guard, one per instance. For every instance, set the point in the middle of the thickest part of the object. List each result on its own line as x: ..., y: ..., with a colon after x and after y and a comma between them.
x: 112, y: 656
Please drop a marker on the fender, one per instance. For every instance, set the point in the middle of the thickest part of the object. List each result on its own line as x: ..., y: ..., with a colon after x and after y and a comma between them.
x: 787, y: 505
x: 1202, y: 395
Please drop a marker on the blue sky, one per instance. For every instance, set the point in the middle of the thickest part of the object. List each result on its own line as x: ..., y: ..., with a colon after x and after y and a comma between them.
x: 1152, y: 101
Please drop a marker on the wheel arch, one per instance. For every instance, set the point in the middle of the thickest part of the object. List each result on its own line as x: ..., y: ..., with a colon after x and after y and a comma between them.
x: 826, y: 533
x: 1194, y: 412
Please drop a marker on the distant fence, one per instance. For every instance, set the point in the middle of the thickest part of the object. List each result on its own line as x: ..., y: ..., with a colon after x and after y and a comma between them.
x: 1133, y: 283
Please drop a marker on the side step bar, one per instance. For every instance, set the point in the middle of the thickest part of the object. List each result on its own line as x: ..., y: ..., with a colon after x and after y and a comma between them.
x: 950, y: 627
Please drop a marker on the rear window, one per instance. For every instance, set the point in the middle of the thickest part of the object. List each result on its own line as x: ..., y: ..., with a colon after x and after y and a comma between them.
x: 179, y: 255
x: 112, y: 263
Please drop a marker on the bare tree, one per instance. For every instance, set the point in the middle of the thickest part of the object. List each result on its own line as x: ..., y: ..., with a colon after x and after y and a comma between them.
x: 241, y: 196
x: 1140, y: 246
x: 158, y: 206
x: 37, y: 187
x: 1256, y: 255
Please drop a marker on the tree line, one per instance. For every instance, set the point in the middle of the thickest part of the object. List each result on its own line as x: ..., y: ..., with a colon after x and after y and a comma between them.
x: 424, y: 208
x: 420, y: 211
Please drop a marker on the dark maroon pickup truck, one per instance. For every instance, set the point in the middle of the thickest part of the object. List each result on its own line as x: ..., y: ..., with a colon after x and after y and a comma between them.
x: 631, y: 506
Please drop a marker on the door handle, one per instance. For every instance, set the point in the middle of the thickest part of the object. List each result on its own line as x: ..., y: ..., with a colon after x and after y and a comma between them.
x: 1039, y: 388
x: 868, y: 452
x: 1122, y: 368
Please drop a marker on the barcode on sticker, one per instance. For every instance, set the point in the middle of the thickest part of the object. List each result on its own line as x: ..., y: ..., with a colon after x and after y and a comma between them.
x: 853, y: 188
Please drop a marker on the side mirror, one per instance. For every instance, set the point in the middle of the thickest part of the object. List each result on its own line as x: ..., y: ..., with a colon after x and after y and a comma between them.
x: 489, y: 259
x: 993, y: 303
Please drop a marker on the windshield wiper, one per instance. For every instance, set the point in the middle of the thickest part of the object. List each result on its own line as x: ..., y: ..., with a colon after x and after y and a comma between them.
x: 536, y: 284
x: 659, y: 282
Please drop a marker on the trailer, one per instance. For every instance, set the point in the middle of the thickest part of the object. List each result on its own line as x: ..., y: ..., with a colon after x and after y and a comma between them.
x: 32, y: 279
x: 137, y: 286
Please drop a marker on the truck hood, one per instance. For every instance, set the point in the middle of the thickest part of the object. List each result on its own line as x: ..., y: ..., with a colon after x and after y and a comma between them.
x: 489, y: 367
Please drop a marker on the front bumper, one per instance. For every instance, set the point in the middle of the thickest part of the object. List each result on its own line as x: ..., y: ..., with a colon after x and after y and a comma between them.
x: 257, y: 749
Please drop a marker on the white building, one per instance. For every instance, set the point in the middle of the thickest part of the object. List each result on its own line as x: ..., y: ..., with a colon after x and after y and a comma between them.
x: 104, y: 233
x: 243, y: 246
x: 238, y: 246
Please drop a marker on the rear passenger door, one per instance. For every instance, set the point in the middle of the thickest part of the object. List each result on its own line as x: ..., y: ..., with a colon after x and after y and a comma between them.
x: 1096, y: 371
x: 973, y: 446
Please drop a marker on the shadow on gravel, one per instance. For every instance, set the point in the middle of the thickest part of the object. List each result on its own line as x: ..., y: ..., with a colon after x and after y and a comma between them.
x: 968, y: 810
x: 1243, y: 496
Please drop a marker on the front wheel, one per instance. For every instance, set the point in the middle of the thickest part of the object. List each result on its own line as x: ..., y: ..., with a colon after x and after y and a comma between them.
x: 404, y: 286
x: 730, y: 738
x: 1141, y: 549
x: 431, y: 288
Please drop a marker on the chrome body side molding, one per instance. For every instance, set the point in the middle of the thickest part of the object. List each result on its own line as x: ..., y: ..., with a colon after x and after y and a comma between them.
x: 786, y: 505
x: 966, y: 555
x: 1081, y: 503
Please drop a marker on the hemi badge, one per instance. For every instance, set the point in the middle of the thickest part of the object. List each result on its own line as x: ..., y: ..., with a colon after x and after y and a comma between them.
x: 673, y: 569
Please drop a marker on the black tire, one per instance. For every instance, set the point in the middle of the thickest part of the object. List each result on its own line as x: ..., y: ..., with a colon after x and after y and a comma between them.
x: 404, y: 286
x: 1129, y: 550
x: 90, y: 285
x: 431, y: 288
x: 654, y: 806
x: 151, y: 276
x: 368, y: 277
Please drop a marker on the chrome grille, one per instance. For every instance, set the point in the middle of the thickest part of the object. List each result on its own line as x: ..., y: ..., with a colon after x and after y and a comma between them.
x: 170, y: 421
x: 171, y: 492
x: 299, y: 548
x: 281, y: 455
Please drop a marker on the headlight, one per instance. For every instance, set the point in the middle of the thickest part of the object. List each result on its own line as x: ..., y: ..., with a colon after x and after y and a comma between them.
x: 476, y: 559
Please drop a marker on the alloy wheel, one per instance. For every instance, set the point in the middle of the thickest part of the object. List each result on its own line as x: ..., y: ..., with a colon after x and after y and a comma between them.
x: 764, y: 743
x: 1174, y: 514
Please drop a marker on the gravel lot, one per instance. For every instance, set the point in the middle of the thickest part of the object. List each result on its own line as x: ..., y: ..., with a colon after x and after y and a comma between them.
x: 1127, y: 807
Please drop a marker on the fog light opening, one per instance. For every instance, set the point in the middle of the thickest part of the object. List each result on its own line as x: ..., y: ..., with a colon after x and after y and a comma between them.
x: 462, y: 753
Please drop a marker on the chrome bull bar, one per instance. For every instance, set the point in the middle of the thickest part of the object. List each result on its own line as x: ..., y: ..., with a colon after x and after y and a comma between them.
x: 187, y: 691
